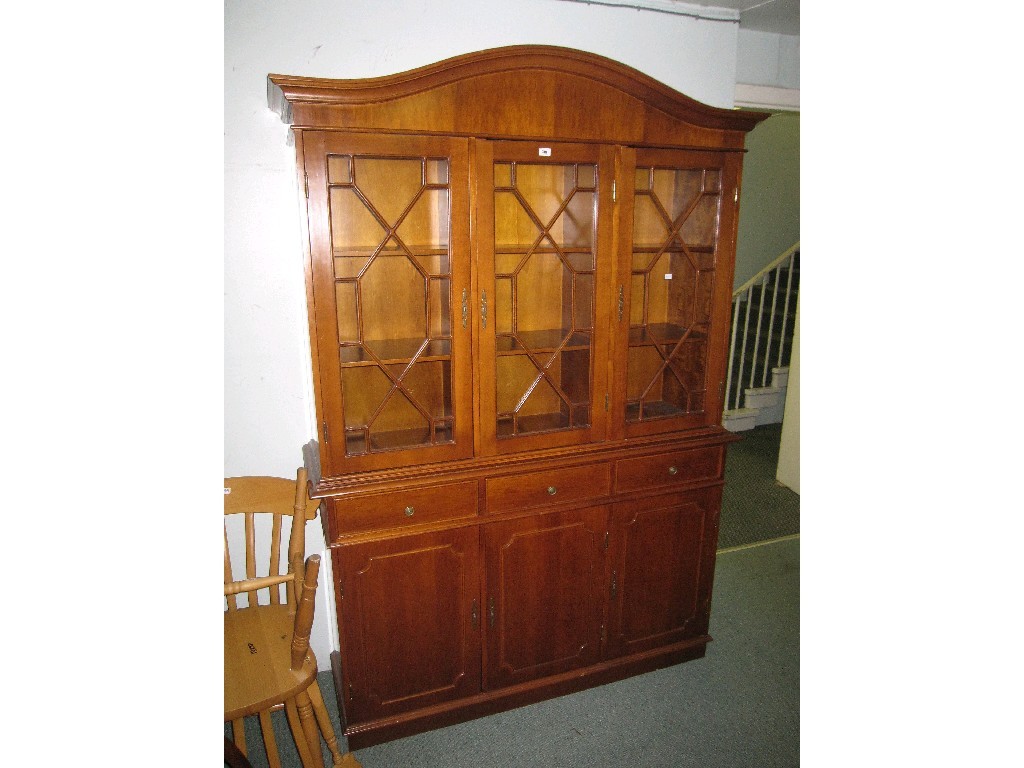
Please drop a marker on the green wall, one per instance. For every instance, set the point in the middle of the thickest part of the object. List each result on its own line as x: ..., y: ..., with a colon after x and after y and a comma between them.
x: 770, y: 201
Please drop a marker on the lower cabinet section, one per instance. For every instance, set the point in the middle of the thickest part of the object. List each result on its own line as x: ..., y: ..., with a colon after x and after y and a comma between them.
x: 662, y: 559
x: 409, y: 622
x: 448, y: 625
x: 544, y: 586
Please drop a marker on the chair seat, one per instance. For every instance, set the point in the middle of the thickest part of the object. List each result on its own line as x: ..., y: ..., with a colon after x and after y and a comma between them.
x: 257, y: 655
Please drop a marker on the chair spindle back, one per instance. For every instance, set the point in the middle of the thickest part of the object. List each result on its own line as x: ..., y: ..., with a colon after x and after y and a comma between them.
x: 281, y: 498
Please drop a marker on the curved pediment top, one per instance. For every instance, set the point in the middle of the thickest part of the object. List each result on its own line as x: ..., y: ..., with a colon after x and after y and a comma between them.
x: 284, y: 91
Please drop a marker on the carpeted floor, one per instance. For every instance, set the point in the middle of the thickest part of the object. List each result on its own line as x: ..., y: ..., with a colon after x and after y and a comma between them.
x: 754, y: 506
x: 736, y: 708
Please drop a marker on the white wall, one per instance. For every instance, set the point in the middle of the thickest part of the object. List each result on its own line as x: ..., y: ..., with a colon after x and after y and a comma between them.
x: 268, y: 404
x: 787, y: 470
x: 764, y: 58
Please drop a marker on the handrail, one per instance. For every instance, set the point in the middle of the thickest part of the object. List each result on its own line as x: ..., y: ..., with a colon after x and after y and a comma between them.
x: 768, y: 268
x: 787, y: 258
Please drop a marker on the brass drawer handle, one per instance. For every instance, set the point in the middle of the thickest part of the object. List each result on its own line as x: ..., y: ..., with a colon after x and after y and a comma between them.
x: 410, y: 511
x: 673, y: 470
x: 552, y: 490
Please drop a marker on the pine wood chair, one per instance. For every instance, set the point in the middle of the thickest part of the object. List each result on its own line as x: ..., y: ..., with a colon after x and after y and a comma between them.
x: 267, y: 660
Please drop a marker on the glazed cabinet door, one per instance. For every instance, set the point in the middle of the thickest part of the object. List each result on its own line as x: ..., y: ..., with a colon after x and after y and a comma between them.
x: 409, y: 619
x: 388, y: 231
x: 544, y: 595
x: 545, y: 257
x: 674, y: 283
x: 662, y: 557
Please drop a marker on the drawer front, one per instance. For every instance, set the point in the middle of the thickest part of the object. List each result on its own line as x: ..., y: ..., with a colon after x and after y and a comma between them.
x: 397, y: 509
x: 668, y: 469
x: 548, y: 487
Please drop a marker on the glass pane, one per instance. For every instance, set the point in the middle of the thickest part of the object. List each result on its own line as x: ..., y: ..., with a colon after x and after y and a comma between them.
x: 345, y: 302
x: 399, y: 425
x: 439, y: 312
x: 544, y: 188
x: 587, y: 177
x: 389, y: 185
x: 503, y: 305
x: 425, y: 228
x: 583, y: 301
x: 675, y: 236
x: 513, y: 226
x: 503, y: 174
x: 339, y: 169
x: 394, y: 299
x: 575, y: 226
x: 701, y: 225
x: 540, y: 285
x: 436, y: 171
x: 545, y: 253
x: 424, y: 383
x: 354, y: 228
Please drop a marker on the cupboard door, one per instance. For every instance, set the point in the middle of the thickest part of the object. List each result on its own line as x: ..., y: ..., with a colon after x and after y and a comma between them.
x: 409, y: 617
x: 389, y: 246
x: 544, y: 595
x: 544, y: 240
x: 675, y: 276
x: 662, y: 553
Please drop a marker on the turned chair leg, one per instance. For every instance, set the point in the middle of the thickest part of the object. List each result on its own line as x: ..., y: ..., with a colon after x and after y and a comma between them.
x: 311, y: 758
x: 269, y: 740
x: 324, y: 720
x: 309, y: 727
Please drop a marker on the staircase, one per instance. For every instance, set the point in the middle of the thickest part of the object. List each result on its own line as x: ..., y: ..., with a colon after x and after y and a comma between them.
x: 761, y: 342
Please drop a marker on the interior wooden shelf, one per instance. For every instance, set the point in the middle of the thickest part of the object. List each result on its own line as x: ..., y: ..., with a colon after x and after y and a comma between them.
x: 656, y: 409
x: 538, y: 422
x: 673, y: 247
x: 356, y: 439
x: 524, y: 248
x: 393, y: 351
x: 365, y: 251
x: 662, y: 333
x: 541, y: 341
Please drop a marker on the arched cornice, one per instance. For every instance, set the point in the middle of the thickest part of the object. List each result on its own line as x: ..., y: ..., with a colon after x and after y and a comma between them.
x: 427, y: 94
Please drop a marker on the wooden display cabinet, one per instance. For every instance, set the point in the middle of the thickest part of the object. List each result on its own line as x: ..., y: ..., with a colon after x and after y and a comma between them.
x: 519, y: 277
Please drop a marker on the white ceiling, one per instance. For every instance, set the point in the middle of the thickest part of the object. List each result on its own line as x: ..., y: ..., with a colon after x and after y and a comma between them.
x: 779, y: 16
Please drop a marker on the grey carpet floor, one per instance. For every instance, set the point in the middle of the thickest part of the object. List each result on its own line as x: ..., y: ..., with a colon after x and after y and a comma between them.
x: 736, y: 708
x: 754, y: 506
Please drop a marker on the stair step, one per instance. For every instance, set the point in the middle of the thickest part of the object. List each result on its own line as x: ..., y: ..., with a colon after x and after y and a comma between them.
x: 740, y: 419
x: 763, y: 397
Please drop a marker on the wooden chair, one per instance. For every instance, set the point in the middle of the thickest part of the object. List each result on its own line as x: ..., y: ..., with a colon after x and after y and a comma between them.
x: 267, y: 660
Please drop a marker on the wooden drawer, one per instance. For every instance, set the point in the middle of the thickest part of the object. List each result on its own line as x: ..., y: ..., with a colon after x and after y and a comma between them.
x: 548, y: 487
x: 667, y: 469
x: 395, y: 509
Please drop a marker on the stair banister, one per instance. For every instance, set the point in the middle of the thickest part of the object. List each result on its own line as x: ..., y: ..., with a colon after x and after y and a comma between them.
x: 786, y: 258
